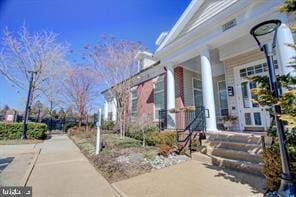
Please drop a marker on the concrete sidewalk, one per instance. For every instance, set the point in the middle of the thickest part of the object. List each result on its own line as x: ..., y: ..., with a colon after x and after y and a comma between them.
x: 21, y: 157
x: 62, y: 170
x: 191, y: 178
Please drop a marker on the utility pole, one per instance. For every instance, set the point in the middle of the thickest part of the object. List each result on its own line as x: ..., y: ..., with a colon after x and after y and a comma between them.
x: 24, y: 129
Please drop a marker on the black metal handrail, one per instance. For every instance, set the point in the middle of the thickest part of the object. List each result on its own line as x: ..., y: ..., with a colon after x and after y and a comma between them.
x: 201, y: 116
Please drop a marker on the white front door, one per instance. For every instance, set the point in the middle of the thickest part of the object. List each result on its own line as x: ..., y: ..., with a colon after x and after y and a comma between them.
x: 251, y: 115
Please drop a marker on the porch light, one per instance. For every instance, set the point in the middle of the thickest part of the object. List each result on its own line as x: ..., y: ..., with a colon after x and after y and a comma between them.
x: 263, y: 31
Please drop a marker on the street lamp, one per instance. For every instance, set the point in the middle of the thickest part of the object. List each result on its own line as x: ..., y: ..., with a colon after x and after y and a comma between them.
x: 24, y: 129
x: 260, y: 31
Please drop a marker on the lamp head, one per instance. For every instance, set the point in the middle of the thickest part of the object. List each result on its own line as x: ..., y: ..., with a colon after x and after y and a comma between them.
x: 265, y: 29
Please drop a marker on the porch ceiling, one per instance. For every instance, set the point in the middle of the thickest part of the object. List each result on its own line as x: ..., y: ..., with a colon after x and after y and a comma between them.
x: 193, y: 64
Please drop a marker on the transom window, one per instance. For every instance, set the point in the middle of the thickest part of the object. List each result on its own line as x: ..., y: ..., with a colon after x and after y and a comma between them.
x: 158, y: 97
x: 134, y: 103
x: 259, y: 68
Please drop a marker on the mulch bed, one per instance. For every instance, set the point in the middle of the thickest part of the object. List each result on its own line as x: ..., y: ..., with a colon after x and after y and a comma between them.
x: 122, y: 158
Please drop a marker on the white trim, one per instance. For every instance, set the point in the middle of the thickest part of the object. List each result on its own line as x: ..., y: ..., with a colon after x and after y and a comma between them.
x: 237, y: 81
x: 189, y: 44
x: 189, y: 69
x: 182, y: 21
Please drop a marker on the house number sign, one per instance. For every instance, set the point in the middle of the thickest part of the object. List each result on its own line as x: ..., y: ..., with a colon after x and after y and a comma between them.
x: 230, y: 91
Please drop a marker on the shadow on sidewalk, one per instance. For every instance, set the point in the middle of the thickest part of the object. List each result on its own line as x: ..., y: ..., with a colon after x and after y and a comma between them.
x: 255, y: 182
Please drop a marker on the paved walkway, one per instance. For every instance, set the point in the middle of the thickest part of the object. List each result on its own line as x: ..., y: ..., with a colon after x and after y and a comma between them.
x: 191, y: 178
x: 15, y: 163
x: 61, y: 170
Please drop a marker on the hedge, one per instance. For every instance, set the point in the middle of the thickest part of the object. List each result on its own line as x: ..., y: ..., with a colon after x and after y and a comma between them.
x: 107, y: 125
x: 11, y: 131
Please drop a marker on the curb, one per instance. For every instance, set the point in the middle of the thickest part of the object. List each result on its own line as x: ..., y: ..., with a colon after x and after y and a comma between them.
x: 28, y: 173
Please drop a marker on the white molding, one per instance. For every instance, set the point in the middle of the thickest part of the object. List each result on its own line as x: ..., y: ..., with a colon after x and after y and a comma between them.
x: 202, y: 35
x: 182, y: 21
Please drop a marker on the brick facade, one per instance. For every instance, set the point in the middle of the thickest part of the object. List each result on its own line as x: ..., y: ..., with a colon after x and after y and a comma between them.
x: 145, y: 102
x: 179, y: 95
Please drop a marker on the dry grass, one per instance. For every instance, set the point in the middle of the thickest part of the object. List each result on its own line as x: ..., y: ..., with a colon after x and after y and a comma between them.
x: 120, y: 158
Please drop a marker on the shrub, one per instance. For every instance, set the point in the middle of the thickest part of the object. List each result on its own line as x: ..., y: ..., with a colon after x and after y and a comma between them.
x: 134, y: 131
x: 69, y: 125
x: 272, y: 167
x: 107, y: 125
x: 164, y: 149
x: 156, y: 138
x: 152, y: 136
x: 11, y: 131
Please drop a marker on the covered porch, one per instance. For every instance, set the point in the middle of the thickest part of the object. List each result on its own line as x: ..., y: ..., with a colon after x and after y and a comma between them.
x: 208, y: 67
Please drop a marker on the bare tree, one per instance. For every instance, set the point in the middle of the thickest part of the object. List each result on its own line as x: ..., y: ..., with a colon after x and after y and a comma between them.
x: 22, y: 52
x: 143, y: 122
x: 80, y: 89
x: 114, y: 62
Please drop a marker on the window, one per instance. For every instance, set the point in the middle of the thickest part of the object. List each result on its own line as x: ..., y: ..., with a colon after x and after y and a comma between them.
x: 110, y: 115
x: 245, y: 94
x: 248, y: 120
x: 223, y: 98
x: 257, y: 118
x: 197, y: 92
x: 158, y: 98
x: 252, y: 86
x: 134, y: 103
x: 251, y: 70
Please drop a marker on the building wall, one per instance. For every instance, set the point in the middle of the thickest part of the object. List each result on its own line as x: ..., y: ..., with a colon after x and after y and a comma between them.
x: 145, y: 102
x: 229, y: 65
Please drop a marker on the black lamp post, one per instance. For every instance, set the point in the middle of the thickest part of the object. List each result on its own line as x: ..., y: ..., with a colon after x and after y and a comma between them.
x: 24, y: 129
x: 288, y: 185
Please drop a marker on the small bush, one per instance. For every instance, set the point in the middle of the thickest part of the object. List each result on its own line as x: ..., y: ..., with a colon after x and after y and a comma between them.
x: 107, y: 125
x: 164, y: 149
x: 70, y: 125
x: 11, y: 131
x: 134, y: 131
x: 156, y: 138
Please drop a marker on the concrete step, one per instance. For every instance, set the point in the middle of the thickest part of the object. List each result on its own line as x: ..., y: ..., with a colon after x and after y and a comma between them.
x: 249, y: 148
x: 232, y: 154
x: 235, y: 137
x: 241, y: 166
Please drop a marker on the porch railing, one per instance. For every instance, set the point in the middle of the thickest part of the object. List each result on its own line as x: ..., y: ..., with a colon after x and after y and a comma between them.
x: 183, y: 118
x: 189, y: 125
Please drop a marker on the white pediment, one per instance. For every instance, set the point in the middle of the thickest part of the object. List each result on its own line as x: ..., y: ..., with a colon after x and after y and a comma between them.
x: 208, y: 10
x: 197, y: 13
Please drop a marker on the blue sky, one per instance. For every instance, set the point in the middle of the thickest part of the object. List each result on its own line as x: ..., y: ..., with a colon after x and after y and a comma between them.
x: 82, y: 21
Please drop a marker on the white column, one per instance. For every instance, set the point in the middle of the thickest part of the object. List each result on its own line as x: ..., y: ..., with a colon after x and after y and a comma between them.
x: 171, y: 117
x: 114, y: 109
x: 207, y: 89
x: 106, y: 110
x: 284, y: 52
